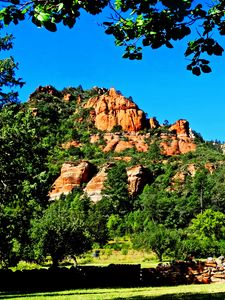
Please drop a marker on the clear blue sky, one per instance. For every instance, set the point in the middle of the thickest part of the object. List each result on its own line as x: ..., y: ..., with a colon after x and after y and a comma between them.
x: 159, y: 84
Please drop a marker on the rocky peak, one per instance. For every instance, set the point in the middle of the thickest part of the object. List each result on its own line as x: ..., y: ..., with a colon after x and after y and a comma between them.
x: 48, y: 89
x: 181, y: 128
x: 112, y: 109
x: 153, y: 123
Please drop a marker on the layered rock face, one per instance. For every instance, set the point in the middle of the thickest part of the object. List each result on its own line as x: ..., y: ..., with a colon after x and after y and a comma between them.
x: 118, y: 142
x: 153, y: 123
x: 121, y: 121
x: 181, y: 128
x: 137, y: 178
x: 112, y: 109
x: 180, y: 141
x: 95, y: 186
x: 72, y: 176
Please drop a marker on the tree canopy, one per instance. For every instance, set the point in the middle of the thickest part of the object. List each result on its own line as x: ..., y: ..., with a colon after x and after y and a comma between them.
x: 136, y: 24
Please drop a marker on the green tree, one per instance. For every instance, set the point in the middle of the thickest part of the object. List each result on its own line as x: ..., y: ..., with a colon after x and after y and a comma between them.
x: 135, y: 24
x: 116, y: 190
x: 25, y: 178
x: 61, y: 231
x: 8, y: 68
x: 206, y: 233
x: 200, y: 190
x: 157, y: 238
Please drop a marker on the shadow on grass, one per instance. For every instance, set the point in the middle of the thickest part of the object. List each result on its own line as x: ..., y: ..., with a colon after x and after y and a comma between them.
x: 186, y: 296
x: 216, y: 296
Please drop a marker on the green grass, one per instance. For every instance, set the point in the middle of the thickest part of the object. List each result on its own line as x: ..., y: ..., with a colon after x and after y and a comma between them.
x: 110, y: 256
x: 107, y: 257
x: 184, y: 292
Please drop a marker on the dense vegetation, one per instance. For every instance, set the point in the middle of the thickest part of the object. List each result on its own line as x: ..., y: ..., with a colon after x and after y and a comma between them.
x: 170, y: 216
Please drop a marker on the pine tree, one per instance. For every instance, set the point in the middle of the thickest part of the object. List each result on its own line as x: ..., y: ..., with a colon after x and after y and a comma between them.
x: 116, y: 190
x: 8, y: 68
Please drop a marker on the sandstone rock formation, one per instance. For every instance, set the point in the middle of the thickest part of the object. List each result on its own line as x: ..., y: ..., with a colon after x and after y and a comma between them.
x: 210, y: 167
x: 180, y: 141
x: 181, y: 128
x: 119, y: 142
x: 71, y: 144
x: 174, y: 146
x: 72, y: 176
x: 112, y: 109
x: 95, y: 186
x: 137, y: 178
x: 67, y: 97
x: 153, y: 123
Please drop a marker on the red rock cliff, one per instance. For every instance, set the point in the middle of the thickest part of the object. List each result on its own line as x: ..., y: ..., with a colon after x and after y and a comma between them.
x: 113, y: 109
x: 72, y: 175
x: 181, y: 141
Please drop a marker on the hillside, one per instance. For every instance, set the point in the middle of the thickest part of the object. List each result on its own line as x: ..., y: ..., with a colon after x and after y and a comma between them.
x: 97, y: 153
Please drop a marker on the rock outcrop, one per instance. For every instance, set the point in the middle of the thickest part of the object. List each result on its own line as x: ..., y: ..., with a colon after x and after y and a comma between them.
x: 181, y: 128
x: 153, y: 123
x: 72, y: 176
x: 138, y: 176
x: 119, y: 142
x: 48, y: 89
x: 95, y: 186
x: 180, y: 141
x: 121, y: 123
x: 173, y: 145
x: 112, y: 109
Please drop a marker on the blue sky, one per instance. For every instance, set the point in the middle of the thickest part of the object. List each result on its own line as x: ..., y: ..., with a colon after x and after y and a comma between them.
x: 159, y: 84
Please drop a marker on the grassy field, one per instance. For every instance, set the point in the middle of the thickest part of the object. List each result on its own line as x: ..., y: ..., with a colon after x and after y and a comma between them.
x: 109, y: 256
x: 190, y: 292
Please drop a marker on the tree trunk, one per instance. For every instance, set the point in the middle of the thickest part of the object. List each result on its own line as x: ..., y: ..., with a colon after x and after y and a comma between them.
x: 55, y: 262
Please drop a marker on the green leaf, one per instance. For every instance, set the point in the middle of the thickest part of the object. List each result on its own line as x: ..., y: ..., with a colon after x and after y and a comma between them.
x: 139, y: 56
x: 218, y: 50
x: 60, y: 6
x: 125, y: 55
x: 204, y: 61
x: 107, y: 23
x: 50, y: 26
x: 169, y: 45
x: 206, y: 69
x: 109, y: 30
x: 118, y: 43
x: 43, y: 17
x: 196, y: 71
x: 146, y: 42
x: 189, y: 67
